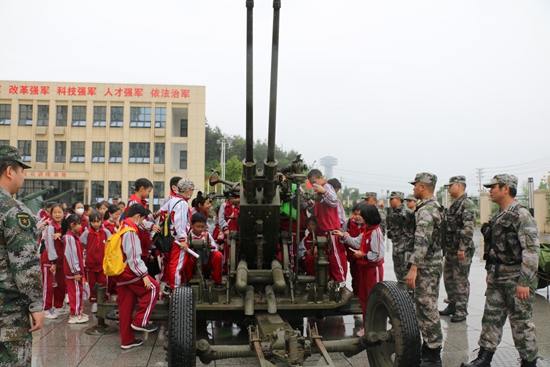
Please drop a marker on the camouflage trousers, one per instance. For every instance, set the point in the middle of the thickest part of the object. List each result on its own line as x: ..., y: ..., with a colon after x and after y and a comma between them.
x: 426, y: 294
x: 16, y: 354
x: 400, y: 266
x: 457, y: 285
x: 501, y: 302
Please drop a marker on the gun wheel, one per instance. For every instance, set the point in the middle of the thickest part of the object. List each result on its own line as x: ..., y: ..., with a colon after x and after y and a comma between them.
x: 182, y: 331
x: 390, y: 308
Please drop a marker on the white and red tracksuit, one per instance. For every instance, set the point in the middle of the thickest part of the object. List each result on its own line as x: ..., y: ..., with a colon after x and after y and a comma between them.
x: 74, y: 265
x: 146, y: 227
x: 181, y: 265
x: 53, y: 254
x: 166, y: 208
x: 94, y: 242
x: 228, y: 219
x: 130, y: 287
x: 326, y: 212
x: 307, y: 259
x: 354, y: 229
x: 371, y: 271
x: 110, y: 226
x: 214, y: 262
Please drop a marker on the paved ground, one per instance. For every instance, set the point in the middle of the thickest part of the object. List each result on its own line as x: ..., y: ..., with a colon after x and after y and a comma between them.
x: 59, y: 344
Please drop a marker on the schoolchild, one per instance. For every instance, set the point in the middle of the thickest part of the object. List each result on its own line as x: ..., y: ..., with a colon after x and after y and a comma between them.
x: 211, y: 258
x: 87, y: 210
x: 328, y: 220
x: 169, y: 202
x: 134, y: 283
x: 78, y: 209
x: 111, y: 218
x: 307, y: 251
x: 228, y: 219
x: 335, y: 183
x: 140, y: 194
x: 369, y: 249
x: 74, y: 268
x: 93, y: 239
x: 102, y: 207
x: 354, y: 226
x: 52, y: 263
x: 178, y: 270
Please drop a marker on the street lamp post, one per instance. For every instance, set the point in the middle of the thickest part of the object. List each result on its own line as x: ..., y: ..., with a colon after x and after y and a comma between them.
x: 223, y: 142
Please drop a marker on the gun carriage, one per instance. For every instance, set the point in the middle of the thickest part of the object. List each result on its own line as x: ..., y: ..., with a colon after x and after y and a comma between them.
x: 267, y: 291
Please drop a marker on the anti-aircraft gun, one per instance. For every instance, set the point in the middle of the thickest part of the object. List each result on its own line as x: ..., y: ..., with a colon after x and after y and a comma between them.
x: 35, y: 202
x: 267, y: 291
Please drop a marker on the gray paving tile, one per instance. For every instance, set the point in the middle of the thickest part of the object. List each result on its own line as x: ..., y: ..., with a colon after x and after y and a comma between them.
x: 114, y: 356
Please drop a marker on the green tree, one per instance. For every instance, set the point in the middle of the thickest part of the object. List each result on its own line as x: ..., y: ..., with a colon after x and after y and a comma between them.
x: 234, y: 169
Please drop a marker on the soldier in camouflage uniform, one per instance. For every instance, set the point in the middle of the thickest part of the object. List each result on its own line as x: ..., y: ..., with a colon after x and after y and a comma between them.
x: 411, y: 202
x: 426, y: 262
x: 20, y: 281
x: 459, y: 250
x: 512, y: 257
x: 370, y: 199
x: 400, y: 224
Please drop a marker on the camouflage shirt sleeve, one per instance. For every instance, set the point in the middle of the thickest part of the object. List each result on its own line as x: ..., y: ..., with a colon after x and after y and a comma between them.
x: 425, y: 249
x: 528, y: 234
x: 20, y: 234
x: 468, y: 224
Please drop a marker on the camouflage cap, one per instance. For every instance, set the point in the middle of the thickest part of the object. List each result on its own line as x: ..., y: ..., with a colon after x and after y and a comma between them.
x: 8, y: 153
x: 411, y: 197
x: 185, y: 184
x: 397, y: 194
x: 424, y: 177
x: 369, y: 194
x: 504, y: 178
x: 457, y: 179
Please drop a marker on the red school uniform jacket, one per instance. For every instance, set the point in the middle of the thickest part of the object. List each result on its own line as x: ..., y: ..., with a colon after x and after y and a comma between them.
x: 74, y: 262
x: 94, y: 241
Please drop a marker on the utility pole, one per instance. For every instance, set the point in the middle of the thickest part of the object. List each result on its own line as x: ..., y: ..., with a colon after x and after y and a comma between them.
x: 223, y: 142
x: 479, y: 177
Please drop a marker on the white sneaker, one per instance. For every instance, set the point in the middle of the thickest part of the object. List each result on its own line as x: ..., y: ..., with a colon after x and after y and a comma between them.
x: 66, y: 299
x: 94, y: 307
x: 50, y: 314
x: 63, y: 310
x: 78, y: 319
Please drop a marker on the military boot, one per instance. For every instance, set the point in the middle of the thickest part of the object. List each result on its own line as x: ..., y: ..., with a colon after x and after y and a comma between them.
x: 431, y: 357
x: 525, y: 363
x: 483, y: 359
x: 451, y: 309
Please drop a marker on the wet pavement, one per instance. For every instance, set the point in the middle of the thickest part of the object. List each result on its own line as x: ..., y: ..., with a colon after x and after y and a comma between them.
x: 59, y: 344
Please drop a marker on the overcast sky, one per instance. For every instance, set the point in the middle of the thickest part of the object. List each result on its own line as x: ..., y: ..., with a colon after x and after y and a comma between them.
x: 390, y: 88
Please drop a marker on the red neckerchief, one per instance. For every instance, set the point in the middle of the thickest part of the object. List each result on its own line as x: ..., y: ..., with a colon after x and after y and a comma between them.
x: 367, y: 235
x: 55, y: 226
x: 131, y: 223
x: 95, y: 233
x: 134, y: 197
x: 197, y: 210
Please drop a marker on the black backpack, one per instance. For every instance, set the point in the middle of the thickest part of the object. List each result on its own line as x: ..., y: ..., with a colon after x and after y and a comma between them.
x: 164, y: 239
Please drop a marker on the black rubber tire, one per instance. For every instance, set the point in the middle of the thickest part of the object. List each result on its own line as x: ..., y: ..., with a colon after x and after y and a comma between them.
x: 390, y: 307
x: 182, y: 329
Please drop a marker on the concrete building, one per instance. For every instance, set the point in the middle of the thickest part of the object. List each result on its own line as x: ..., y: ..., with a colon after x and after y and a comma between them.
x: 100, y: 138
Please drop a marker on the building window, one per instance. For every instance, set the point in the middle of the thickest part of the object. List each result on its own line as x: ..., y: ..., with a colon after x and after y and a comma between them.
x: 77, y: 151
x: 140, y: 116
x: 100, y: 116
x: 115, y: 189
x: 140, y: 153
x: 160, y: 117
x: 5, y: 114
x: 158, y: 195
x: 60, y: 151
x: 98, y: 152
x: 24, y: 147
x: 25, y: 115
x: 61, y: 115
x: 4, y: 142
x: 159, y: 153
x: 41, y: 151
x: 79, y: 116
x: 117, y: 114
x: 130, y: 189
x: 43, y: 115
x: 183, y: 159
x: 183, y: 127
x: 115, y: 152
x: 98, y: 190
